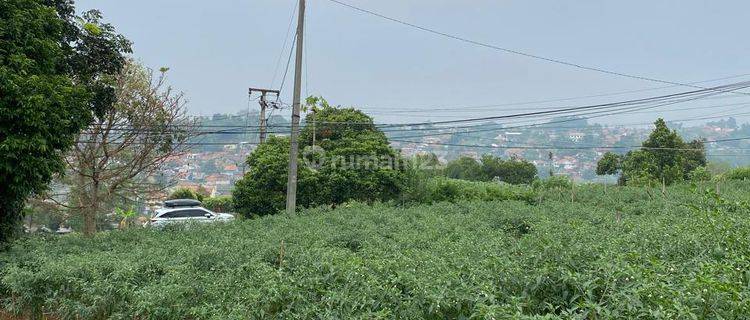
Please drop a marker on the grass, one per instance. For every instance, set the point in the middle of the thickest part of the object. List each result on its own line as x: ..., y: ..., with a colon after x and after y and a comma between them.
x: 603, y: 253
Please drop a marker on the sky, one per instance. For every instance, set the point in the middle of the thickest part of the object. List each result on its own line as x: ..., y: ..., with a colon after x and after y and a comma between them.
x: 217, y: 49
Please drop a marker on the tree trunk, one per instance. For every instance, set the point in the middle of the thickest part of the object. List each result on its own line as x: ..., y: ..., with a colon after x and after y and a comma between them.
x: 89, y: 222
x: 90, y: 211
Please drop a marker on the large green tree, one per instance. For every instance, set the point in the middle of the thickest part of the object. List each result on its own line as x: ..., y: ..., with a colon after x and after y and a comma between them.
x: 262, y: 190
x: 664, y: 157
x: 464, y: 168
x: 356, y: 161
x: 513, y: 171
x: 54, y: 70
x: 351, y: 160
x: 609, y: 164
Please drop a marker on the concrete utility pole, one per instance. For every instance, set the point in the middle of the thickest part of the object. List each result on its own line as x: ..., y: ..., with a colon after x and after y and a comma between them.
x: 263, y: 105
x: 291, y: 186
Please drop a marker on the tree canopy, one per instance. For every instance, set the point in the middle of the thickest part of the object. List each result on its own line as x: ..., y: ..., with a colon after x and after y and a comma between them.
x: 54, y: 70
x: 513, y: 171
x: 665, y: 157
x: 351, y: 160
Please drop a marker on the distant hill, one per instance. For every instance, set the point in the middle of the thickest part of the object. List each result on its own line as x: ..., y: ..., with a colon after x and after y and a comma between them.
x: 224, y: 128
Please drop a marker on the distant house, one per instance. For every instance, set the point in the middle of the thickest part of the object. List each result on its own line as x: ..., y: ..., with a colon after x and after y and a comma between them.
x: 217, y: 179
x: 576, y: 136
x: 223, y: 190
x: 230, y: 169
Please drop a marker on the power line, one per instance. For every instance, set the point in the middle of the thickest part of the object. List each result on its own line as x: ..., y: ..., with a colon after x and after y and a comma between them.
x: 245, y: 129
x: 463, y: 108
x: 629, y: 106
x: 598, y: 109
x: 283, y: 47
x: 705, y: 91
x: 575, y: 118
x: 288, y: 62
x: 544, y: 126
x: 550, y: 108
x: 553, y: 147
x: 597, y: 114
x: 512, y: 51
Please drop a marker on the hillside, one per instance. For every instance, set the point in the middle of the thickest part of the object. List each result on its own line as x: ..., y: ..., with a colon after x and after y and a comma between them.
x: 620, y: 252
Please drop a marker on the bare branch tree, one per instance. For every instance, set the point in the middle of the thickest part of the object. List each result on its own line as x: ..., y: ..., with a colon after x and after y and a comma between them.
x: 120, y: 153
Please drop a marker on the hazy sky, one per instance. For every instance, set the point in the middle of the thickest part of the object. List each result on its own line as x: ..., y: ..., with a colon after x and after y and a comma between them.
x: 216, y: 49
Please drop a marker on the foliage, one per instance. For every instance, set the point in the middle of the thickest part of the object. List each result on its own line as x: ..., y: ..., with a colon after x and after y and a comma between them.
x: 357, y: 162
x: 125, y: 215
x: 418, y: 173
x: 738, y: 174
x: 219, y: 204
x: 185, y: 193
x: 52, y: 77
x: 441, y: 189
x: 351, y: 160
x: 464, y: 168
x: 553, y: 183
x: 111, y: 164
x: 609, y: 164
x: 513, y: 171
x: 665, y: 157
x: 333, y: 124
x: 262, y: 190
x: 718, y: 167
x: 683, y: 256
x: 700, y: 174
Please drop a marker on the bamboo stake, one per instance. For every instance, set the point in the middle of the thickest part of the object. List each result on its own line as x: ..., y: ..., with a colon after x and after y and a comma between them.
x: 573, y: 192
x: 281, y: 254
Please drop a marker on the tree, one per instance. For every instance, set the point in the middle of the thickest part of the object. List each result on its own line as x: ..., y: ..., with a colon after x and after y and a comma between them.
x: 185, y: 193
x: 665, y: 157
x: 334, y: 124
x: 53, y: 76
x: 352, y: 160
x: 219, y: 204
x: 464, y: 168
x: 357, y: 160
x: 118, y: 155
x: 513, y: 171
x: 640, y: 167
x: 609, y: 164
x: 262, y: 191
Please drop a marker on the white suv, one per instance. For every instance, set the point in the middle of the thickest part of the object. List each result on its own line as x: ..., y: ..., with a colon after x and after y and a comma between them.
x: 185, y: 210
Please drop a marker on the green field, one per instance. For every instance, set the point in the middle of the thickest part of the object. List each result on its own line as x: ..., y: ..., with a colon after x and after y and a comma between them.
x: 586, y: 252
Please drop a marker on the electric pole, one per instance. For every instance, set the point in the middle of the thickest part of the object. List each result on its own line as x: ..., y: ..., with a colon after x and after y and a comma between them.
x: 291, y: 187
x: 263, y: 105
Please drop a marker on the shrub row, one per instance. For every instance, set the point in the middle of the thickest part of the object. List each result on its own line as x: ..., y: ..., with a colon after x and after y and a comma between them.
x: 685, y: 258
x: 441, y: 189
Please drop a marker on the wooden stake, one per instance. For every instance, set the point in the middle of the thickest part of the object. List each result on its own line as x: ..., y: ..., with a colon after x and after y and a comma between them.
x: 573, y: 192
x: 281, y: 254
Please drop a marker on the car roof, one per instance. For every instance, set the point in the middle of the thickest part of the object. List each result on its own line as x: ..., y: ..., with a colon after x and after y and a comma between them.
x: 161, y: 211
x: 176, y: 203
